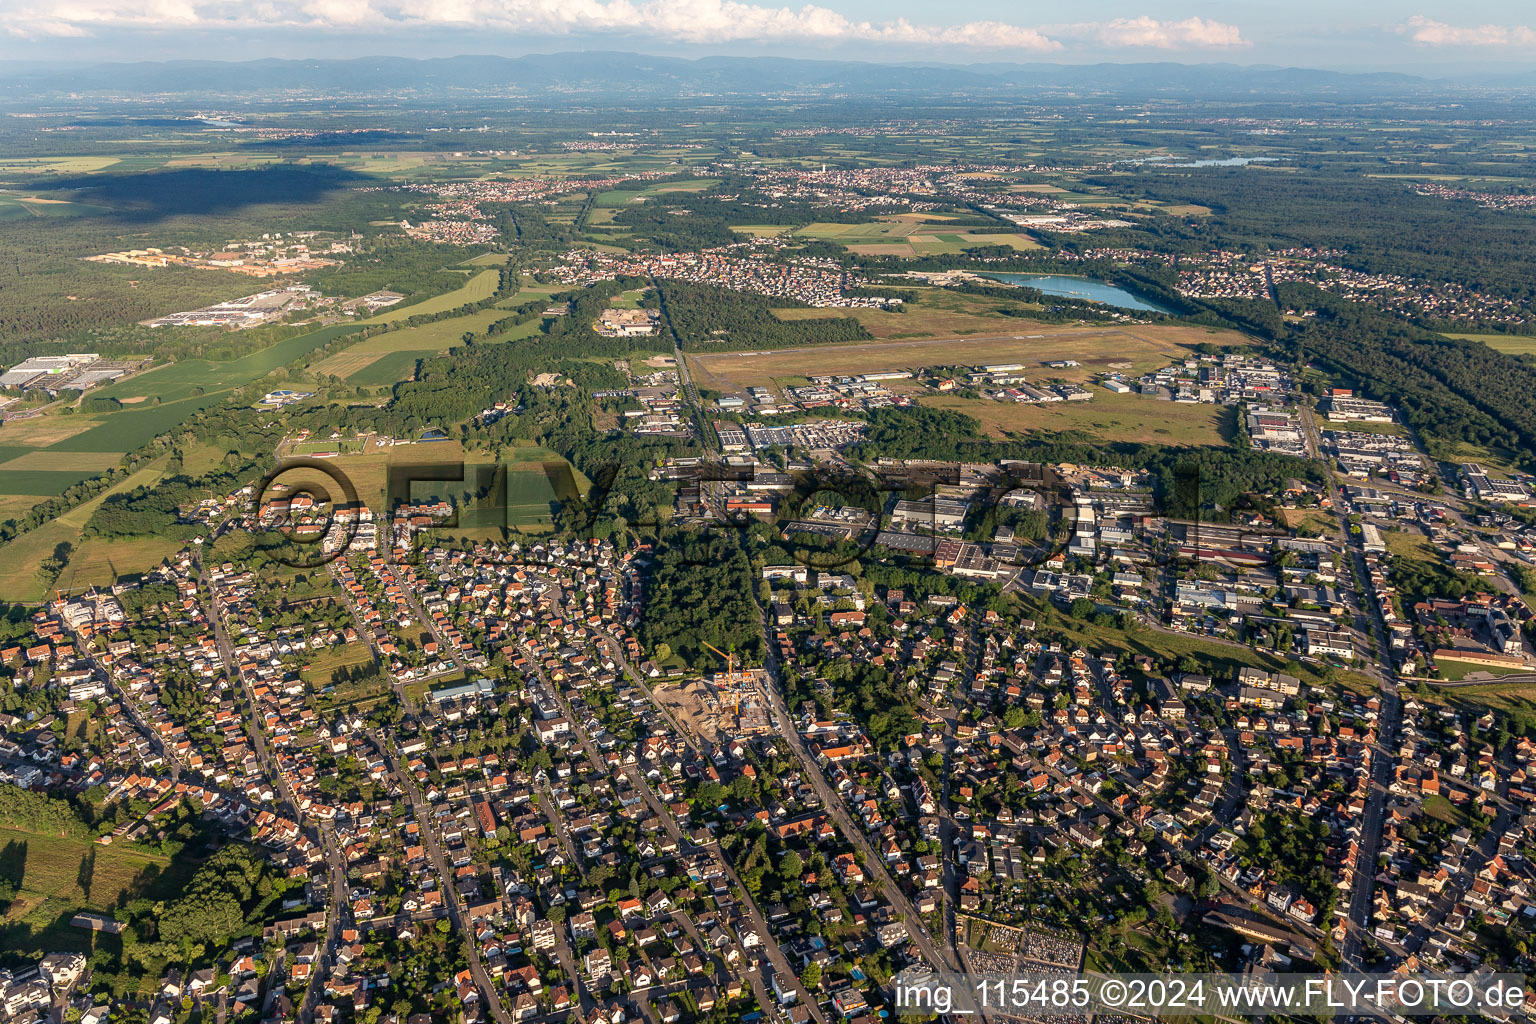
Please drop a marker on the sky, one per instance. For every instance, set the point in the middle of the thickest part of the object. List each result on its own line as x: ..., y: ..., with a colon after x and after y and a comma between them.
x: 1425, y: 36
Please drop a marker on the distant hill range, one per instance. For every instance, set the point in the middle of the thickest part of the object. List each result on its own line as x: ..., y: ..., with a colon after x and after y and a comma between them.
x: 583, y: 77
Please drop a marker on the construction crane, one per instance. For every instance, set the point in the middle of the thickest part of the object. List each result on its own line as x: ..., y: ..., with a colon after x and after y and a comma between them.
x: 730, y: 662
x: 730, y: 676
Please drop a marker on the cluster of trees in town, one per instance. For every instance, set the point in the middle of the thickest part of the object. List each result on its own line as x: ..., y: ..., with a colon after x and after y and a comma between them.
x: 699, y: 590
x: 707, y: 318
x: 152, y: 510
x: 39, y: 813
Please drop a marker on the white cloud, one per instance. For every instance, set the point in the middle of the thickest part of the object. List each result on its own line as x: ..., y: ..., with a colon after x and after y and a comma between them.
x: 1189, y: 34
x: 685, y: 21
x: 1437, y: 33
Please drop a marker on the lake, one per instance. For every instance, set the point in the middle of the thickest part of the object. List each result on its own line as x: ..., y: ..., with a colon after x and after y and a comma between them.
x: 1082, y: 288
x: 1230, y: 161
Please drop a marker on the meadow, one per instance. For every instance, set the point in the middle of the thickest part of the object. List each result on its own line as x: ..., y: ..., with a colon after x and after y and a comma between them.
x: 59, y: 877
x: 1130, y: 349
x: 935, y: 313
x: 1509, y: 344
x: 616, y: 198
x: 1109, y: 417
x: 909, y: 235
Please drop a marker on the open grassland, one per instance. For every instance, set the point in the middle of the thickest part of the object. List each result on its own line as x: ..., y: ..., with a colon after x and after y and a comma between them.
x: 13, y: 208
x: 1131, y: 349
x: 537, y: 481
x: 616, y: 198
x: 433, y: 337
x: 98, y: 562
x: 485, y: 259
x: 43, y: 431
x: 1223, y: 658
x: 388, y: 358
x: 368, y: 472
x: 909, y: 235
x: 531, y: 497
x: 21, y: 557
x: 59, y: 877
x: 1500, y: 696
x: 334, y: 659
x: 937, y: 312
x: 1109, y: 417
x: 13, y: 505
x: 1509, y: 344
x: 481, y: 286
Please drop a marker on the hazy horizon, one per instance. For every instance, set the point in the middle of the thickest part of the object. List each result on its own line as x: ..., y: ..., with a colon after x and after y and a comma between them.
x: 1431, y: 37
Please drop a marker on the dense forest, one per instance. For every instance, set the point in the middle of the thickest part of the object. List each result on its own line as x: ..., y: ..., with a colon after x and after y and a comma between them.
x: 1381, y: 225
x: 1451, y: 391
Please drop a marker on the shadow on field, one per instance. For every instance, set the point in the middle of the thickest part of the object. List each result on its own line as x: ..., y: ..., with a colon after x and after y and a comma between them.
x: 155, y: 195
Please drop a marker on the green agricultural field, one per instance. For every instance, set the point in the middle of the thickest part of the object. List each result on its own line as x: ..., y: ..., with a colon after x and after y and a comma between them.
x: 75, y: 448
x: 390, y: 367
x: 388, y: 358
x: 41, y: 481
x: 21, y: 557
x: 35, y: 459
x: 194, y: 378
x: 531, y: 497
x: 55, y: 164
x: 126, y: 430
